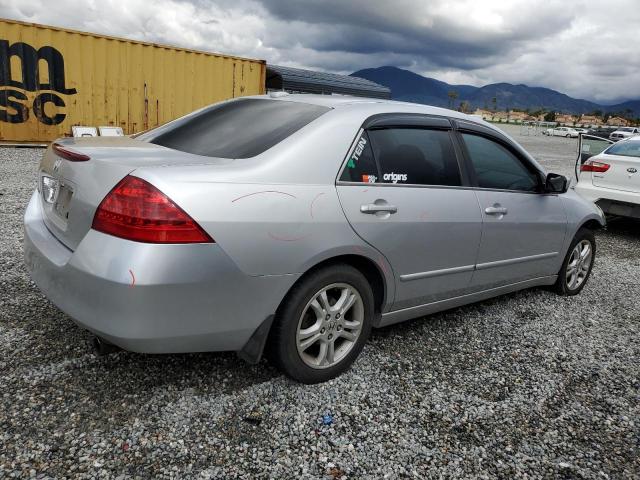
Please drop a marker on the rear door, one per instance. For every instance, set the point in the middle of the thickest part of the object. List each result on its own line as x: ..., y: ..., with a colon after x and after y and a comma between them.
x: 623, y: 173
x: 403, y: 192
x: 523, y: 229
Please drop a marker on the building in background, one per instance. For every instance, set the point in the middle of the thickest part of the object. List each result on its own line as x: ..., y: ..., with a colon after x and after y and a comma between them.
x: 592, y: 120
x: 298, y: 80
x: 564, y: 119
x: 618, y: 122
x: 53, y: 78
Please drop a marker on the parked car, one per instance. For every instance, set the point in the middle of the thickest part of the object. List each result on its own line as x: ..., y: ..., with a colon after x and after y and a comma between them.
x: 624, y: 132
x: 581, y: 130
x: 609, y: 175
x: 561, y: 132
x: 296, y: 224
x: 602, y: 132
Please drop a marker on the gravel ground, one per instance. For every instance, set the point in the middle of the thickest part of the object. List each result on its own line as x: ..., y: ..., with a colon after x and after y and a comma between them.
x: 530, y: 385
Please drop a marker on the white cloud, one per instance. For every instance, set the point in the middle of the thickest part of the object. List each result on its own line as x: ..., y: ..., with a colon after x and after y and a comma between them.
x: 583, y: 48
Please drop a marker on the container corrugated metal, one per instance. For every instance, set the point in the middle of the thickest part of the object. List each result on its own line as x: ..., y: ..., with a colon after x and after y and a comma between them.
x: 53, y: 78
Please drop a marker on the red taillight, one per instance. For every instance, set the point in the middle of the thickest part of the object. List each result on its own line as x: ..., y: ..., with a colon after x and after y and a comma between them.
x: 138, y: 211
x: 591, y: 166
x: 69, y: 154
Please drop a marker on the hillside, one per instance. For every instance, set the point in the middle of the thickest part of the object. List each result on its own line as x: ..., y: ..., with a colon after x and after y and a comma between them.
x: 411, y: 87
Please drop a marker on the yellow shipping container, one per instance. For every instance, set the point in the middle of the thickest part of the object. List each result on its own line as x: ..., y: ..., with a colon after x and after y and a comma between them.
x: 53, y: 78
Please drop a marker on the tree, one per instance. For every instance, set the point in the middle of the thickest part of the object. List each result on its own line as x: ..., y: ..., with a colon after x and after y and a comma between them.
x: 465, y: 107
x: 494, y: 101
x: 452, y: 98
x: 550, y: 117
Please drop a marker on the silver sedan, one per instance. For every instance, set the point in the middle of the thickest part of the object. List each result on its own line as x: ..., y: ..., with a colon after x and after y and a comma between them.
x: 292, y: 225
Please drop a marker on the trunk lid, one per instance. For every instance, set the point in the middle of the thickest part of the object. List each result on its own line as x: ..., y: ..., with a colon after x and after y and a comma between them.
x: 81, y: 185
x: 623, y: 174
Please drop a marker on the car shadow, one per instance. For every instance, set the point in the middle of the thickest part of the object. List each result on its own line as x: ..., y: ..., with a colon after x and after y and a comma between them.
x: 623, y: 226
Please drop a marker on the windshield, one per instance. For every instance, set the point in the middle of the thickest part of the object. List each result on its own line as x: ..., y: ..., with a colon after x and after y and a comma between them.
x: 625, y: 129
x: 238, y: 129
x: 626, y: 149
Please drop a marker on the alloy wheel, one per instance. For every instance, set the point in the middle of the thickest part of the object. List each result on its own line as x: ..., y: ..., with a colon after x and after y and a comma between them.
x: 579, y: 264
x: 330, y: 325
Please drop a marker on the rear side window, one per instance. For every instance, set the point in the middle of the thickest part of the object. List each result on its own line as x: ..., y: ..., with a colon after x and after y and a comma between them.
x: 496, y: 167
x: 626, y: 149
x: 239, y: 129
x: 415, y: 156
x: 361, y: 166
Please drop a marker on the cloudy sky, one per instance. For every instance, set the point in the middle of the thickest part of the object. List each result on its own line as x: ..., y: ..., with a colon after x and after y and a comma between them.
x: 585, y: 48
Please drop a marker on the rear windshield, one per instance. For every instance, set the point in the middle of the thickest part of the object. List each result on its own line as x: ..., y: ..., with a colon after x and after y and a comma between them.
x: 626, y: 149
x: 239, y: 129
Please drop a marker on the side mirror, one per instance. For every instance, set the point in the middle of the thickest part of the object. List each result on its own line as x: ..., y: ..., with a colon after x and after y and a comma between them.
x: 555, y: 183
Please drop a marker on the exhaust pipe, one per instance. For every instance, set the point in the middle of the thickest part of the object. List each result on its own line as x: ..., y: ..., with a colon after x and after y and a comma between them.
x: 101, y: 347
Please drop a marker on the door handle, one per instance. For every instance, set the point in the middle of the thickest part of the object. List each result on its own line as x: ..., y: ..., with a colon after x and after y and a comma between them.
x: 373, y: 208
x: 495, y: 210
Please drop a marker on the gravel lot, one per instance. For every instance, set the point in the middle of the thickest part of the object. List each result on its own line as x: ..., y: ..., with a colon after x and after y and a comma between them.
x: 530, y: 385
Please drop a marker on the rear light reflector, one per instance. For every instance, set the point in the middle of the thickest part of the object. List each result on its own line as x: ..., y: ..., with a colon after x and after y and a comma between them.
x: 591, y: 166
x: 138, y: 211
x: 69, y: 154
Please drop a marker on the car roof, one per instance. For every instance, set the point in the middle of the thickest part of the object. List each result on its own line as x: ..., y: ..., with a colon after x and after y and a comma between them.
x: 343, y: 102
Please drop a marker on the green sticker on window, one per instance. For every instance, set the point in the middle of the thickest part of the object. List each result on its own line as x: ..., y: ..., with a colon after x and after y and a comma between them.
x: 351, y: 164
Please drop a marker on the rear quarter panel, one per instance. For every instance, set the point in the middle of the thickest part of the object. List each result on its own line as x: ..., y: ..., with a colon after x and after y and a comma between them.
x: 277, y: 213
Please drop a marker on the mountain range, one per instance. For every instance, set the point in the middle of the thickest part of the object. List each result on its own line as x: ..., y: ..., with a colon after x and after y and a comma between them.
x: 411, y: 87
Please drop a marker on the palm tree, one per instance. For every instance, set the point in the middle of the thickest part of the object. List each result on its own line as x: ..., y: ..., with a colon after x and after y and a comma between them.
x: 494, y: 101
x: 452, y: 98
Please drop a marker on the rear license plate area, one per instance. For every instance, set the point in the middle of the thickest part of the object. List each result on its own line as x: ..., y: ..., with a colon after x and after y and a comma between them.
x: 61, y: 207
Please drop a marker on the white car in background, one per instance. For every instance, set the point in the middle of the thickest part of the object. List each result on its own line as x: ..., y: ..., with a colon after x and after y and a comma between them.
x: 624, y: 132
x: 561, y: 132
x: 609, y: 174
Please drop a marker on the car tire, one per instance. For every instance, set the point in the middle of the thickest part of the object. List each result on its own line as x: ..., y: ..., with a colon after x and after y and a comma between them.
x: 303, y: 316
x: 568, y: 135
x: 576, y: 269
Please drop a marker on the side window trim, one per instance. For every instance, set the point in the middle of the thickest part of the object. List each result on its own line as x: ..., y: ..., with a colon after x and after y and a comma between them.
x: 483, y: 132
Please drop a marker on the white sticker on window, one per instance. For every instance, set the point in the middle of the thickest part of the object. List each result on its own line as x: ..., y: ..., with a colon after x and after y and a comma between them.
x: 395, y: 177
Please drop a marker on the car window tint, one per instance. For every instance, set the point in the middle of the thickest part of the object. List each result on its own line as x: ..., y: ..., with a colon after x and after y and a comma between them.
x: 361, y: 166
x: 415, y: 156
x: 239, y: 129
x: 497, y: 167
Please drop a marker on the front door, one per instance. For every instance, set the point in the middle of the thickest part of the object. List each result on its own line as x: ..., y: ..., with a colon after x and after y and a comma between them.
x: 403, y: 195
x: 523, y: 229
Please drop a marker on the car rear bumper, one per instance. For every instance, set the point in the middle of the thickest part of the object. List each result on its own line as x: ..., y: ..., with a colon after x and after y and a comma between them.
x: 612, y: 202
x: 150, y: 298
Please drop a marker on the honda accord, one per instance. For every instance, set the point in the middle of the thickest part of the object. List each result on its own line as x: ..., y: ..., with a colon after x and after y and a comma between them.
x: 292, y: 225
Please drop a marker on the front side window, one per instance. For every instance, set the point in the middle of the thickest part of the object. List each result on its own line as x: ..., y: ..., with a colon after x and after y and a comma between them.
x: 496, y: 167
x: 239, y: 129
x: 415, y: 156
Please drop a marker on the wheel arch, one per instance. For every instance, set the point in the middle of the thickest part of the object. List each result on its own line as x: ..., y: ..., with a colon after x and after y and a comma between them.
x: 591, y: 224
x: 368, y: 267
